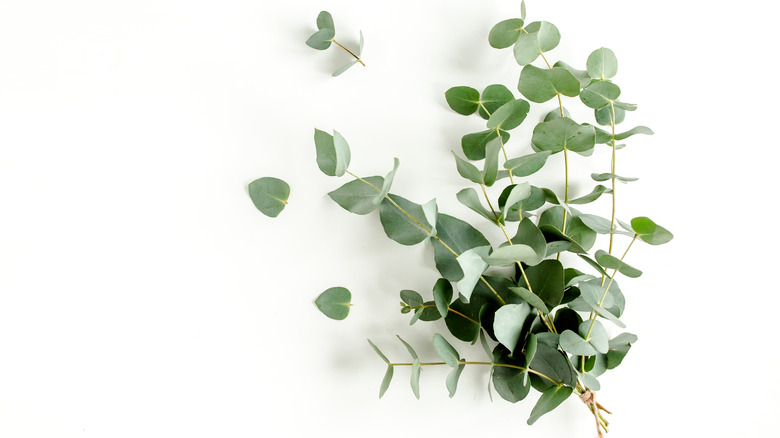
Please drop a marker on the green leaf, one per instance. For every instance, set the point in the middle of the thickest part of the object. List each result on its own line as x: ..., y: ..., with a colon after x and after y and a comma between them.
x: 563, y: 133
x: 604, y: 115
x: 463, y: 100
x: 468, y: 170
x: 517, y: 194
x: 452, y: 379
x: 600, y: 177
x: 505, y: 33
x: 321, y: 39
x: 508, y: 324
x: 442, y: 296
x: 522, y: 9
x: 325, y: 21
x: 388, y: 182
x: 540, y: 85
x: 361, y: 44
x: 464, y: 328
x: 598, y: 335
x: 602, y: 64
x: 527, y: 164
x: 510, y: 383
x: 472, y: 264
x: 625, y: 106
x: 409, y: 348
x: 386, y: 381
x: 546, y: 280
x: 334, y: 303
x: 581, y: 76
x: 599, y: 94
x: 415, y: 380
x: 530, y: 298
x: 411, y: 298
x: 458, y: 236
x: 552, y: 363
x: 530, y: 235
x: 618, y: 348
x: 379, y: 352
x: 359, y: 197
x: 592, y: 196
x: 539, y: 37
x: 634, y: 131
x: 490, y: 171
x: 446, y: 351
x: 550, y: 399
x: 650, y: 232
x: 611, y: 262
x: 494, y: 97
x: 333, y: 155
x: 575, y: 344
x: 509, y: 116
x: 470, y: 199
x: 510, y: 254
x: 590, y: 381
x: 398, y: 226
x: 474, y: 144
x: 269, y: 195
x: 576, y: 231
x: 431, y: 212
x: 344, y: 68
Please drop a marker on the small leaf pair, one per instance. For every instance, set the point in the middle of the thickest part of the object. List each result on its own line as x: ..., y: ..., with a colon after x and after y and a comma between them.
x: 323, y: 38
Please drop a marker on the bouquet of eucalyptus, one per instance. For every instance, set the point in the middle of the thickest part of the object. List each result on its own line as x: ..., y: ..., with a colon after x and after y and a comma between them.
x: 540, y: 301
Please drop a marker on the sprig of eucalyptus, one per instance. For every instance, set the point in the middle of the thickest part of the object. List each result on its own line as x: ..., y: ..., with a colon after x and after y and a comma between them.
x: 322, y: 39
x: 542, y: 326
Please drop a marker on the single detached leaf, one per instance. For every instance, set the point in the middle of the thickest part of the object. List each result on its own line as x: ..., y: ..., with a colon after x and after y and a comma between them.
x: 508, y: 324
x: 539, y: 37
x: 511, y: 254
x: 527, y: 164
x: 359, y: 197
x: 321, y: 39
x: 333, y: 155
x: 505, y: 33
x: 474, y: 145
x: 472, y: 264
x: 379, y: 352
x: 551, y: 398
x: 592, y: 196
x: 446, y: 351
x: 540, y: 85
x: 611, y: 262
x: 269, y: 195
x: 494, y: 97
x: 325, y: 21
x: 563, y: 133
x: 602, y: 64
x: 334, y: 303
x: 442, y: 296
x: 599, y: 94
x: 463, y: 100
x: 509, y: 116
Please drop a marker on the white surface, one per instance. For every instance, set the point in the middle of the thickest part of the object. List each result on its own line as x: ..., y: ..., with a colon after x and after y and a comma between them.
x: 141, y: 294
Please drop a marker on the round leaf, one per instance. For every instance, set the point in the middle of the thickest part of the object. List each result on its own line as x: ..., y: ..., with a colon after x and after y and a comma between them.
x: 463, y: 100
x: 493, y: 97
x: 602, y: 64
x: 510, y: 115
x: 599, y: 94
x: 505, y: 33
x: 325, y: 21
x: 508, y: 324
x: 321, y: 39
x: 334, y: 303
x: 540, y: 85
x: 269, y: 195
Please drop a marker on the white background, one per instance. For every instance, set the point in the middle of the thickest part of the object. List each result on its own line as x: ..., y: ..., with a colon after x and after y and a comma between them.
x: 142, y: 294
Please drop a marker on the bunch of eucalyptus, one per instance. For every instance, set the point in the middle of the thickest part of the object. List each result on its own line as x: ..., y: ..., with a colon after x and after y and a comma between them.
x: 542, y: 319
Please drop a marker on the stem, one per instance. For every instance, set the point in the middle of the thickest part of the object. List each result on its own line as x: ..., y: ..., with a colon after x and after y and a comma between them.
x: 450, y: 309
x: 506, y: 158
x: 350, y: 52
x: 606, y: 290
x: 427, y: 230
x: 612, y: 169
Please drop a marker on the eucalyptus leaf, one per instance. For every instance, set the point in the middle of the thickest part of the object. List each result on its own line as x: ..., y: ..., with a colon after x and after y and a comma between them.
x: 490, y: 172
x: 538, y: 37
x: 458, y: 236
x: 552, y: 363
x: 604, y: 115
x: 546, y: 280
x: 344, y: 68
x: 474, y: 145
x: 540, y: 85
x: 445, y: 350
x: 510, y: 115
x: 472, y: 264
x: 379, y: 352
x: 592, y: 196
x: 463, y: 321
x: 625, y: 106
x: 634, y: 131
x: 452, y: 379
x: 530, y: 235
x: 321, y: 39
x: 359, y: 196
x: 388, y: 182
x: 581, y: 75
x: 400, y: 227
x: 269, y: 195
x: 530, y: 298
x: 505, y: 33
x: 602, y: 64
x: 618, y: 348
x: 563, y: 133
x: 334, y: 303
x: 468, y: 170
x: 470, y: 199
x: 510, y: 254
x: 600, y: 177
x: 550, y: 399
x: 508, y: 324
x: 599, y: 94
x: 508, y: 381
x: 463, y: 100
x: 325, y: 21
x: 649, y: 231
x: 517, y: 194
x: 494, y: 97
x: 333, y: 154
x: 442, y: 296
x: 595, y: 334
x: 409, y: 348
x: 411, y: 298
x: 386, y: 381
x: 527, y: 164
x: 611, y: 262
x: 415, y: 380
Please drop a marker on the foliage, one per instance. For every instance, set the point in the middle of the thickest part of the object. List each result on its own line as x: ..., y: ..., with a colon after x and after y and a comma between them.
x: 325, y: 35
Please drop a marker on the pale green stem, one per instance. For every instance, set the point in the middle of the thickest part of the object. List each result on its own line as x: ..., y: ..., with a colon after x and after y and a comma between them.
x: 350, y: 52
x: 606, y: 290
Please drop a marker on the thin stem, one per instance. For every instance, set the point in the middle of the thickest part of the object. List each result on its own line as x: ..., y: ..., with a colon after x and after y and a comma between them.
x: 612, y: 169
x: 606, y: 290
x: 484, y: 109
x: 506, y: 157
x: 350, y: 52
x: 449, y: 309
